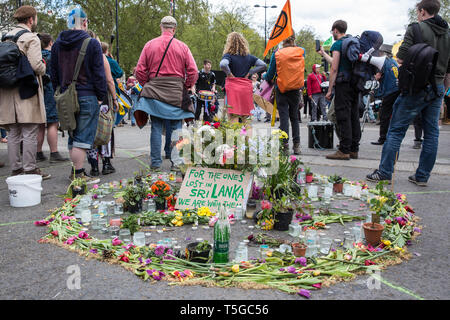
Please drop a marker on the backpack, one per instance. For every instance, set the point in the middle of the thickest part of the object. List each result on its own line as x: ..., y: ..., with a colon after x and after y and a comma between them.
x: 9, y: 59
x: 290, y: 69
x: 67, y: 102
x: 419, y: 66
x: 352, y: 48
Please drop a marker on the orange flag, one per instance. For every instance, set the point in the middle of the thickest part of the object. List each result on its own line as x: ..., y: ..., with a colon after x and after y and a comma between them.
x: 282, y: 29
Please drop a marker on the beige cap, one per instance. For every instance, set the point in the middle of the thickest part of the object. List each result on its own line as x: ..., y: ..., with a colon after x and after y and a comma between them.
x: 168, y: 22
x: 25, y: 12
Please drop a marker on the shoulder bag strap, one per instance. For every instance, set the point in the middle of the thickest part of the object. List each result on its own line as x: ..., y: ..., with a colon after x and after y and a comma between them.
x: 165, y: 52
x: 80, y: 59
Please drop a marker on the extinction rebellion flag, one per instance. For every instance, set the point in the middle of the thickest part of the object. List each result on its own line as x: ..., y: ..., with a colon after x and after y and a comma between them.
x: 282, y: 29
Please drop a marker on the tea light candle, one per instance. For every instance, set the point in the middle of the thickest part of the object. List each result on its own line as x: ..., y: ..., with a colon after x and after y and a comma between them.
x: 251, y: 227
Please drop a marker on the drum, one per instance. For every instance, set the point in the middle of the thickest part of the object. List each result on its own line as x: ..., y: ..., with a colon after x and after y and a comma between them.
x: 206, y: 95
x: 320, y: 135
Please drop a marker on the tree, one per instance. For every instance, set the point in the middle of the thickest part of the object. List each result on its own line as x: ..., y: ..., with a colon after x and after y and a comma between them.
x: 305, y: 38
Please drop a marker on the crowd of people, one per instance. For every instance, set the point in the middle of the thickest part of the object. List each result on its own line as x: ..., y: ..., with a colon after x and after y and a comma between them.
x: 166, y: 78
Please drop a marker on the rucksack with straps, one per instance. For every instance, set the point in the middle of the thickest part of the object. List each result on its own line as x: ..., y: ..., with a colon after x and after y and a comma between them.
x: 67, y: 102
x: 352, y: 48
x: 419, y: 66
x: 10, y: 54
x: 290, y: 69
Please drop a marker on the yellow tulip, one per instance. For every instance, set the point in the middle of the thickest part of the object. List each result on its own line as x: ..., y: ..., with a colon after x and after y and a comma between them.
x: 316, y: 273
x: 235, y: 268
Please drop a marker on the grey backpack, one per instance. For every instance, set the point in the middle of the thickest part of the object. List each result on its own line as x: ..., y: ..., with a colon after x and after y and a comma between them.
x: 67, y: 102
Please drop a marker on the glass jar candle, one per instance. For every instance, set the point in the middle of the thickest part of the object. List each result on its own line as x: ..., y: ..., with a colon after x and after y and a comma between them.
x: 86, y: 215
x: 114, y: 230
x: 325, y: 245
x: 118, y: 209
x: 263, y: 250
x: 151, y: 205
x: 103, y: 209
x: 145, y: 205
x: 95, y: 221
x: 238, y: 213
x: 139, y: 239
x: 125, y: 235
x: 312, y: 191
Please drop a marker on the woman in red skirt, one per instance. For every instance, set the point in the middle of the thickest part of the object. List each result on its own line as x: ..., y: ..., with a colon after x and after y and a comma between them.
x: 238, y: 64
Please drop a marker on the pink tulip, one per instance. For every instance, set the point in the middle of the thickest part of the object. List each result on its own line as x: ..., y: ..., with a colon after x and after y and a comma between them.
x: 116, y: 242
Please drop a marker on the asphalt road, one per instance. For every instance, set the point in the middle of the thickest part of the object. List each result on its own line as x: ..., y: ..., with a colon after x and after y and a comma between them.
x: 30, y: 270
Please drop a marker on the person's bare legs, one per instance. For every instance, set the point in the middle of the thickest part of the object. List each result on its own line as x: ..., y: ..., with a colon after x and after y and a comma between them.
x: 77, y: 156
x: 52, y: 136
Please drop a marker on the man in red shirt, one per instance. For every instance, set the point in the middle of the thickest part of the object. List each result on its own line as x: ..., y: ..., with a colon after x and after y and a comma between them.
x: 315, y: 94
x: 164, y: 56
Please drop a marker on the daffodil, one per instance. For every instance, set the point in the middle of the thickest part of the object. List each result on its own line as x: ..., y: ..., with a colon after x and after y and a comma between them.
x: 235, y: 268
x: 387, y: 243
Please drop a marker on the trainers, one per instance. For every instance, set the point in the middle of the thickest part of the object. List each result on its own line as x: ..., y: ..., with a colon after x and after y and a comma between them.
x: 378, y: 143
x: 353, y: 155
x: 40, y: 156
x: 419, y: 183
x: 338, y: 155
x: 57, y: 157
x: 417, y: 145
x: 376, y: 176
x: 86, y: 177
x: 38, y: 171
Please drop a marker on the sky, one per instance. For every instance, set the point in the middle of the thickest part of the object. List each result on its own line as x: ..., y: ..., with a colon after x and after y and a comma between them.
x: 389, y: 17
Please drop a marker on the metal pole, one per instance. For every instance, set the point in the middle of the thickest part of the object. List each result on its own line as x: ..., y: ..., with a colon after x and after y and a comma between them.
x: 117, y: 31
x: 265, y: 24
x: 173, y: 10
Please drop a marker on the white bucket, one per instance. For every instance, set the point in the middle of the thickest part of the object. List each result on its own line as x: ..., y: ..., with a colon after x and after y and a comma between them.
x: 24, y: 190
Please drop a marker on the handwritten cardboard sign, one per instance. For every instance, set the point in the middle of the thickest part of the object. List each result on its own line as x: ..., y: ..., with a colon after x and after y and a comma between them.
x: 206, y: 187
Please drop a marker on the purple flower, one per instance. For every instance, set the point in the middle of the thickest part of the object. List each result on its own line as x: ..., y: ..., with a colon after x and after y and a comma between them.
x: 188, y: 239
x: 305, y: 293
x: 140, y: 260
x: 169, y: 251
x: 93, y: 251
x: 291, y: 270
x: 159, y: 251
x: 408, y: 242
x: 282, y: 269
x: 417, y: 230
x: 301, y: 260
x: 306, y: 217
x: 83, y: 235
x: 157, y: 275
x: 148, y: 261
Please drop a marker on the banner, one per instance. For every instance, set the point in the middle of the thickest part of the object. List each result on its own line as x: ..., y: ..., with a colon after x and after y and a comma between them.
x: 213, y: 188
x: 282, y: 29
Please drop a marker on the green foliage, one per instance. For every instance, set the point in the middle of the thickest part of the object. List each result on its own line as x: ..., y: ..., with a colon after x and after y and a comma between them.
x: 133, y: 194
x: 335, y: 179
x: 203, y: 246
x: 305, y: 38
x: 131, y: 223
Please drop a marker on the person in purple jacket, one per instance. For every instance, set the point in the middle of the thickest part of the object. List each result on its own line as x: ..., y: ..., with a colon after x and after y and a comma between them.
x: 91, y: 86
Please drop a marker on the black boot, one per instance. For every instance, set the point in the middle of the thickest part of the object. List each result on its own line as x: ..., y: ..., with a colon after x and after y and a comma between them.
x: 107, y: 166
x: 94, y: 167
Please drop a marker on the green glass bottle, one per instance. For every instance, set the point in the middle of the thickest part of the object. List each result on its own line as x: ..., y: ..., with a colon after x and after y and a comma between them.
x: 221, y: 238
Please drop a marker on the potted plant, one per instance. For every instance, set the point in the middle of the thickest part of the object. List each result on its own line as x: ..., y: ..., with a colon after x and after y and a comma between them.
x: 77, y: 187
x: 139, y: 176
x: 133, y: 197
x: 162, y: 191
x: 309, y: 175
x: 338, y: 183
x: 373, y: 230
x: 299, y: 248
x: 283, y: 212
x: 198, y: 251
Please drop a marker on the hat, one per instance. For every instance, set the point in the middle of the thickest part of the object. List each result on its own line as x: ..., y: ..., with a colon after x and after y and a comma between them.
x: 168, y: 22
x: 25, y: 12
x: 74, y: 18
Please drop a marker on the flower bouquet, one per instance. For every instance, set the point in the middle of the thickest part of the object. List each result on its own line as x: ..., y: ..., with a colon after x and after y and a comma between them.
x: 161, y: 190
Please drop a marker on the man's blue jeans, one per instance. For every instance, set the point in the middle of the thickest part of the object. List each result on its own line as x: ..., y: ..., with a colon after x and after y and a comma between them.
x: 406, y: 108
x: 155, y: 137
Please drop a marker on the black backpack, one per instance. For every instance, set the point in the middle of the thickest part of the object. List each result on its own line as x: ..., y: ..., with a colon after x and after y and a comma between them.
x: 419, y: 66
x: 9, y: 59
